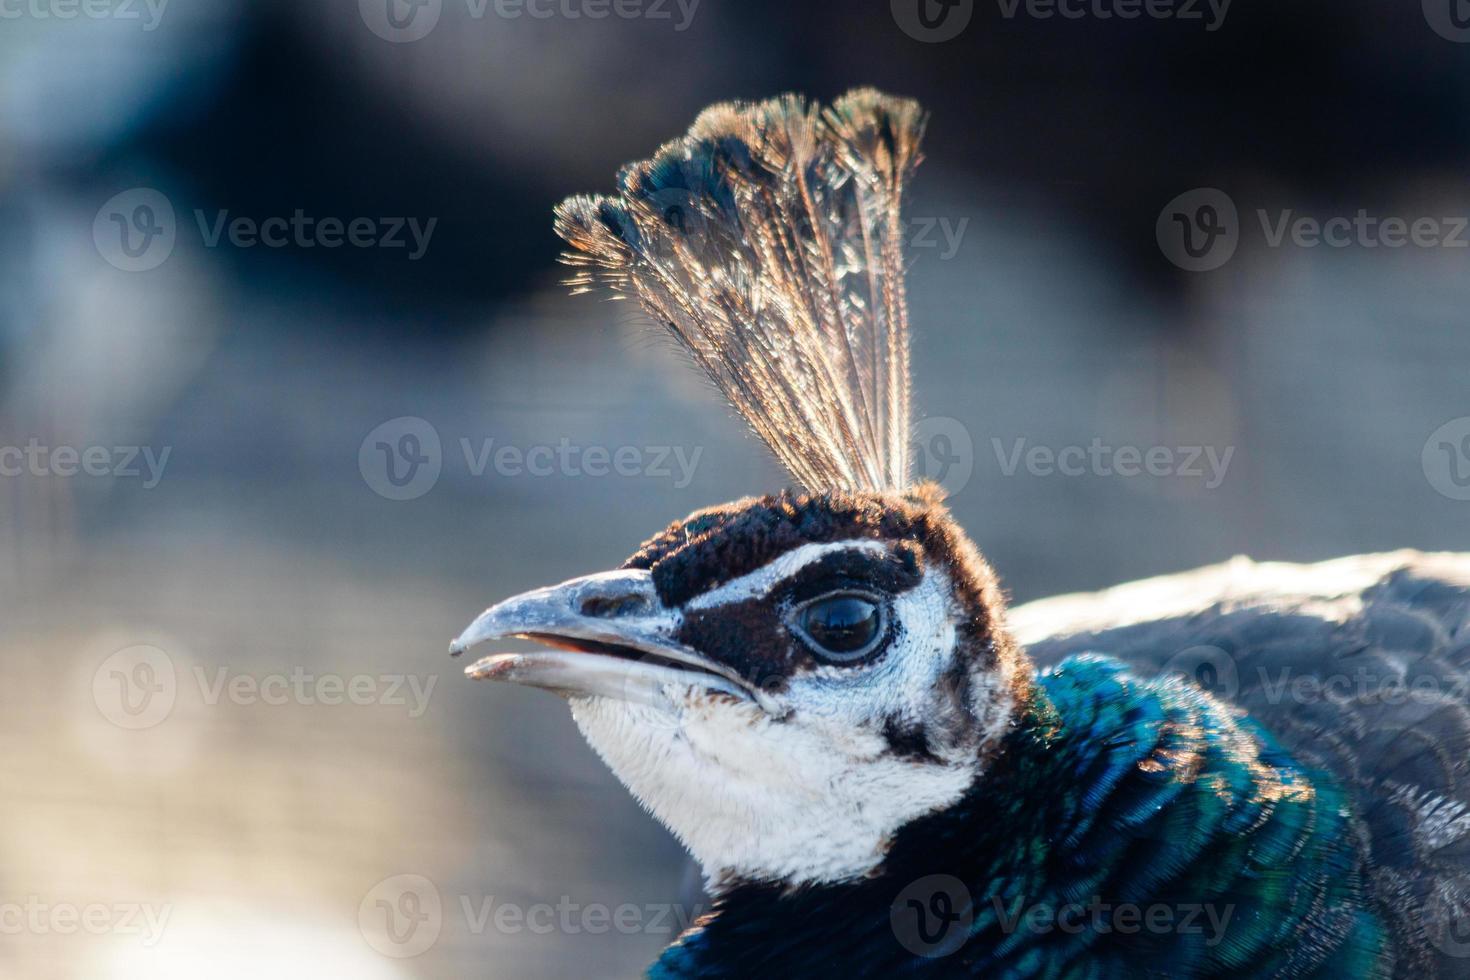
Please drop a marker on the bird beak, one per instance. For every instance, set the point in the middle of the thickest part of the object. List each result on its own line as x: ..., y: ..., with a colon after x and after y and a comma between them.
x: 609, y: 636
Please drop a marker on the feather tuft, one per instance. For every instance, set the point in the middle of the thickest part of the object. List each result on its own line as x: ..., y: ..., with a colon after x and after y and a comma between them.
x: 769, y: 241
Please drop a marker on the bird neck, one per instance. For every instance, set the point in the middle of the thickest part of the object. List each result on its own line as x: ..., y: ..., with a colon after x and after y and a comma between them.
x: 1130, y: 826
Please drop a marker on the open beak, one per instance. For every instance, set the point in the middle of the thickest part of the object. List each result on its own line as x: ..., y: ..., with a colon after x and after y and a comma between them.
x: 609, y: 636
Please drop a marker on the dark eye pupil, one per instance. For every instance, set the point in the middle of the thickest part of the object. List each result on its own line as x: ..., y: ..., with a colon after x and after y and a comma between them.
x: 844, y: 624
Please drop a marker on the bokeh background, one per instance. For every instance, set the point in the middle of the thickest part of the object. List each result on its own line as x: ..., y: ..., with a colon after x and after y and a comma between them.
x: 233, y: 744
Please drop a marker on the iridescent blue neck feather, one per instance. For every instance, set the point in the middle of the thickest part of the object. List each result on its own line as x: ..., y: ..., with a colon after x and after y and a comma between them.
x: 1127, y: 829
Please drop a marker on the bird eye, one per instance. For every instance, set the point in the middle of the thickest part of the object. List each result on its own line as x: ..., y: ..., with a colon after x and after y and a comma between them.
x: 841, y: 628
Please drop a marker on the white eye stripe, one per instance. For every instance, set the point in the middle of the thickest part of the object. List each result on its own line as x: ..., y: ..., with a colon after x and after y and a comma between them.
x: 759, y: 583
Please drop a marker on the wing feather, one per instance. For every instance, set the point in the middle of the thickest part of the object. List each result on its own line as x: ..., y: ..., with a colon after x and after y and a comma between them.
x: 1361, y: 666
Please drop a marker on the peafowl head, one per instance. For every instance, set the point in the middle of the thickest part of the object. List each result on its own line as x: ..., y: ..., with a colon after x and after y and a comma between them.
x: 784, y: 681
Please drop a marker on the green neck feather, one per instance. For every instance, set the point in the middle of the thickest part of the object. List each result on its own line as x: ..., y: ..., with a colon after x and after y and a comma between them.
x: 1127, y: 829
x: 1149, y: 830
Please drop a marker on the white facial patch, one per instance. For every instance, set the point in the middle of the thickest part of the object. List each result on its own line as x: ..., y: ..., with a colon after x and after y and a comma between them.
x: 759, y: 583
x: 815, y: 797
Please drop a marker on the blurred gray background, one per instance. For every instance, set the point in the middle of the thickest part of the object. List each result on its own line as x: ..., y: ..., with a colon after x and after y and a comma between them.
x: 256, y: 475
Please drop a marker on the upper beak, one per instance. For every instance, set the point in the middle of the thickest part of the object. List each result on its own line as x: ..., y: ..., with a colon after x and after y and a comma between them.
x: 612, y: 636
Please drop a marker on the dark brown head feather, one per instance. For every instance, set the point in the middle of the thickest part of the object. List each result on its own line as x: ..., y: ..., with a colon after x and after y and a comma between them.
x: 718, y: 544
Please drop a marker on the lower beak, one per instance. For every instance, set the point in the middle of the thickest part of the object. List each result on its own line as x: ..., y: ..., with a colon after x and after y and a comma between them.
x: 610, y: 636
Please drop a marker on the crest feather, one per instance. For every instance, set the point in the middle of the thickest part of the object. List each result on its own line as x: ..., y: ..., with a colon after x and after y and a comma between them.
x: 769, y: 241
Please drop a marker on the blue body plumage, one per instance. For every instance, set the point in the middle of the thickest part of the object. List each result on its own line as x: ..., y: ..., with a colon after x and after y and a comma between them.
x: 1127, y: 829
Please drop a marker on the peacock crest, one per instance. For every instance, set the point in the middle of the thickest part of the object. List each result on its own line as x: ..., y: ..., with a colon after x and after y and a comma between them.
x: 769, y: 241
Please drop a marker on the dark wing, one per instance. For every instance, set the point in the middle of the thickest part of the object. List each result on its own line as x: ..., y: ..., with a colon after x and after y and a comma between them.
x: 1360, y: 666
